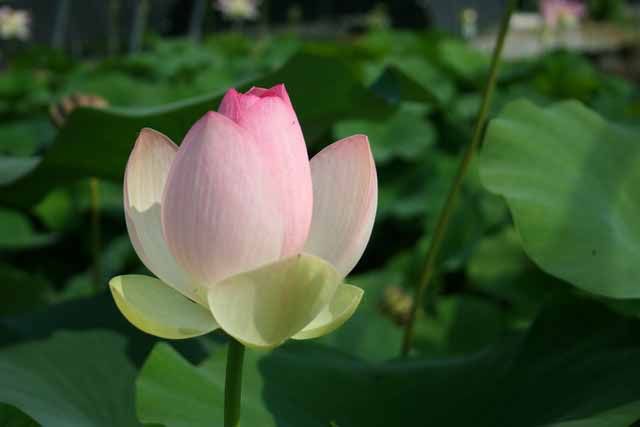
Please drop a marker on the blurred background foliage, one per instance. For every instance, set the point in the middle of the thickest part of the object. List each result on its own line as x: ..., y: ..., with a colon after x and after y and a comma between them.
x: 499, y: 342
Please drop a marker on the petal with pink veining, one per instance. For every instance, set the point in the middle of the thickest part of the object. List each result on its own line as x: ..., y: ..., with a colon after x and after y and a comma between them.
x: 144, y: 182
x: 274, y: 125
x: 278, y: 91
x: 221, y: 213
x: 345, y: 198
x: 234, y: 103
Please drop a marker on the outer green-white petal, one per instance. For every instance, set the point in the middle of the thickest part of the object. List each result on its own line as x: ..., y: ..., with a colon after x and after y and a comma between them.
x: 157, y: 309
x: 341, y: 308
x: 144, y: 183
x: 345, y: 199
x: 264, y: 307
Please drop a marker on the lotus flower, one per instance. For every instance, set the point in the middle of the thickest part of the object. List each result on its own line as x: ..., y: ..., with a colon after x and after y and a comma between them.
x: 238, y: 9
x: 242, y: 231
x: 562, y: 13
x: 14, y: 24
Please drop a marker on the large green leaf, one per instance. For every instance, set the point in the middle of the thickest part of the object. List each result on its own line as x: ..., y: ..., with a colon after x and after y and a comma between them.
x: 500, y: 269
x: 21, y: 290
x: 572, y: 182
x: 71, y: 379
x: 576, y: 363
x: 416, y: 75
x: 10, y: 416
x: 397, y: 85
x: 405, y: 135
x: 16, y: 232
x: 462, y: 60
x: 361, y: 336
x: 579, y: 362
x: 115, y: 256
x: 627, y: 415
x: 460, y: 324
x: 24, y: 137
x: 172, y: 392
x: 12, y: 168
x: 83, y: 315
x: 98, y: 142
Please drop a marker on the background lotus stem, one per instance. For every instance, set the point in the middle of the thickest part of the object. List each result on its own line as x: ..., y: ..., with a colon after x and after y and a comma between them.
x: 60, y: 24
x: 233, y: 384
x: 94, y: 189
x: 447, y: 210
x: 139, y: 25
x: 197, y: 20
x: 264, y: 17
x: 113, y: 27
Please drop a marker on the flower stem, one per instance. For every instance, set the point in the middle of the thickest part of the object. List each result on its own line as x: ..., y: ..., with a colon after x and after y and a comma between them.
x: 94, y: 188
x: 196, y: 22
x: 233, y: 384
x: 447, y: 210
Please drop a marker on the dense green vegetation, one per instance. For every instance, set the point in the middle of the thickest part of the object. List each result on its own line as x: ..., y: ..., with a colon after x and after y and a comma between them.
x: 532, y: 325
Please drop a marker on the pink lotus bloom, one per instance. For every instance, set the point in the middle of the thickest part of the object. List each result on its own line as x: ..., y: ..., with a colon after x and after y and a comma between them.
x: 239, y: 221
x: 559, y: 13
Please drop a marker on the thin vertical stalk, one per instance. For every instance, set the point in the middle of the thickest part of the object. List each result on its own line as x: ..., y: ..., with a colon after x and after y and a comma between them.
x: 94, y: 189
x: 113, y: 27
x: 265, y: 9
x: 447, y: 210
x: 60, y: 24
x: 197, y: 20
x: 233, y: 384
x: 141, y: 14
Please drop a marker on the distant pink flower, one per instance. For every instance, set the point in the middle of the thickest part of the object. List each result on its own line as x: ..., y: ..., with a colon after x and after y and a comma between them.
x: 559, y: 13
x: 14, y: 24
x: 238, y: 9
x: 239, y: 220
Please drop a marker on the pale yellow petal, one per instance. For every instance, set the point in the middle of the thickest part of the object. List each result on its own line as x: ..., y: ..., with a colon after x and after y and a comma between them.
x: 157, y: 309
x: 262, y: 308
x: 334, y: 315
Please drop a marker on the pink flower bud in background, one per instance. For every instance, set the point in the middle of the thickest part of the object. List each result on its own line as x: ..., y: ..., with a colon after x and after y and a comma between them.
x: 14, y: 24
x: 562, y: 13
x: 240, y: 221
x: 238, y: 9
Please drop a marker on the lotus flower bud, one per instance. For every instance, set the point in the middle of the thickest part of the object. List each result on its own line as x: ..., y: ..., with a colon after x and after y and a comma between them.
x: 241, y: 230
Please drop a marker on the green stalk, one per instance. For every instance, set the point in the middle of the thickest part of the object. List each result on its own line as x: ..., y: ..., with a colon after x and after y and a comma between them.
x: 113, y: 27
x: 140, y: 18
x: 447, y: 210
x: 233, y: 384
x: 265, y: 8
x: 196, y: 22
x: 60, y: 24
x: 94, y: 189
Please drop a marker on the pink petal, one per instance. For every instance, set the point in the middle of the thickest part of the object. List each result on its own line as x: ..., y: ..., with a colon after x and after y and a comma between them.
x: 234, y: 103
x: 345, y: 198
x: 144, y: 182
x: 268, y: 116
x: 278, y: 91
x: 221, y: 212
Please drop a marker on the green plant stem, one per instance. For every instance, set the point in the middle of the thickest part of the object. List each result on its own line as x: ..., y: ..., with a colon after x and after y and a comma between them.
x: 94, y: 189
x: 141, y: 15
x: 113, y: 27
x: 198, y: 13
x: 60, y: 24
x: 447, y: 210
x: 233, y: 384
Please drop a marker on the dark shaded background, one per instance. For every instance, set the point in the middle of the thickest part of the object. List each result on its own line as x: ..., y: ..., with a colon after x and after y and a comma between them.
x: 89, y: 19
